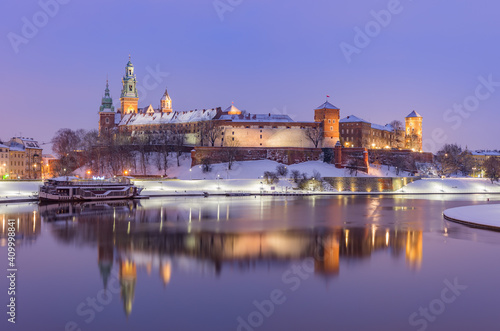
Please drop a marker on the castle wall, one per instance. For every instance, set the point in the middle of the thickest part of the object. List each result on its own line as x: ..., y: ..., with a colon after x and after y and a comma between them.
x: 282, y: 155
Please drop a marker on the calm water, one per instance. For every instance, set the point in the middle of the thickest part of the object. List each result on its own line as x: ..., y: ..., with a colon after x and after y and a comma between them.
x: 300, y: 263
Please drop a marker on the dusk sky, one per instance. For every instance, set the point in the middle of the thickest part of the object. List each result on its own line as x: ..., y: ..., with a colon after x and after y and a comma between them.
x: 266, y: 56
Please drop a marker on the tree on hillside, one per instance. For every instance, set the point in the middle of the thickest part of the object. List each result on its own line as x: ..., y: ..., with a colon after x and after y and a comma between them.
x: 281, y: 170
x: 492, y: 168
x: 315, y: 135
x: 449, y: 159
x: 230, y: 152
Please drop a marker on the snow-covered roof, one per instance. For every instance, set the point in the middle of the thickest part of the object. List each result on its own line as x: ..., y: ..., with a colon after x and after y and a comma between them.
x: 4, y: 146
x: 355, y: 119
x: 247, y: 117
x: 327, y: 105
x: 16, y: 148
x: 352, y: 119
x: 27, y: 142
x: 486, y: 153
x: 386, y: 127
x: 167, y: 118
x: 414, y: 114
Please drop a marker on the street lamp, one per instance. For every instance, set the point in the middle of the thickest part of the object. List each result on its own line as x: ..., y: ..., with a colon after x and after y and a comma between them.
x: 190, y: 177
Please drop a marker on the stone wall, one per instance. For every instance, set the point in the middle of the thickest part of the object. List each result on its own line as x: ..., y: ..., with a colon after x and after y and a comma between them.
x: 369, y: 184
x: 281, y: 155
x: 384, y: 154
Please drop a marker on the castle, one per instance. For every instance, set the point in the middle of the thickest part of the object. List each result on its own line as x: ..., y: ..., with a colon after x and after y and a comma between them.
x: 233, y: 127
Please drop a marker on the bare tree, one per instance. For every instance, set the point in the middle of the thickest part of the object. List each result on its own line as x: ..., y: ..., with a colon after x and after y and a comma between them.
x: 177, y: 140
x: 492, y: 168
x: 398, y: 135
x: 315, y: 135
x: 230, y: 152
x: 211, y: 131
x: 449, y: 159
x: 282, y: 170
x: 65, y: 144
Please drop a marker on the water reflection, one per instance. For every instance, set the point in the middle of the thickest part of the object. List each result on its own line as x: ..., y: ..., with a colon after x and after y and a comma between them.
x: 137, y: 237
x: 27, y: 226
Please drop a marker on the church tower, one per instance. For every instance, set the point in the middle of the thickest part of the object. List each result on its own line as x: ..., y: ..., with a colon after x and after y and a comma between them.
x: 329, y: 116
x: 413, y: 136
x: 166, y: 103
x: 106, y: 113
x: 129, y: 97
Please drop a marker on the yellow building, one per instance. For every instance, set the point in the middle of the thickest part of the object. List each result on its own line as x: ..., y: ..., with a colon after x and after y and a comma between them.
x: 4, y: 161
x: 17, y: 162
x: 413, y: 137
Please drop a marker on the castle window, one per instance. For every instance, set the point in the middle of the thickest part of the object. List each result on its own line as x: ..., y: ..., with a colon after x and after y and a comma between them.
x: 233, y: 133
x: 247, y: 127
x: 331, y: 128
x: 261, y: 131
x: 260, y: 127
x: 329, y: 121
x: 260, y: 136
x: 288, y: 127
x: 261, y: 144
x: 275, y: 127
x: 107, y: 120
x: 233, y: 138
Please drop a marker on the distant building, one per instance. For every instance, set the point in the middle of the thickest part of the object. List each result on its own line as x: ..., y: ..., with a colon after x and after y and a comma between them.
x: 4, y: 161
x: 356, y: 132
x: 235, y: 127
x: 20, y: 158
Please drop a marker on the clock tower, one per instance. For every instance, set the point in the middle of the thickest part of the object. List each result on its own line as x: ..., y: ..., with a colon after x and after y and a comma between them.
x: 129, y: 97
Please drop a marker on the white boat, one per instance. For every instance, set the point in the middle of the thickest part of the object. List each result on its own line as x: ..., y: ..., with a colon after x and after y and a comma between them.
x: 73, y: 189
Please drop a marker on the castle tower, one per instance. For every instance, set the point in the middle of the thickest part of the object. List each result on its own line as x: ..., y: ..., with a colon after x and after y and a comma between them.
x: 129, y: 97
x: 106, y: 113
x: 413, y: 134
x: 166, y: 103
x: 329, y: 116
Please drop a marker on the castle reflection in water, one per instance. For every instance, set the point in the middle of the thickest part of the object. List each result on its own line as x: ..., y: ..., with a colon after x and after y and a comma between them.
x: 162, y: 236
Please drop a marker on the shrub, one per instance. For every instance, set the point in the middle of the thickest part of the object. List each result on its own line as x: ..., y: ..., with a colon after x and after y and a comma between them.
x: 270, y: 177
x: 282, y: 170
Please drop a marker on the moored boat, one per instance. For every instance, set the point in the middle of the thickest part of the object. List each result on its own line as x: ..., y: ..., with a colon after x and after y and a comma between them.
x: 73, y: 189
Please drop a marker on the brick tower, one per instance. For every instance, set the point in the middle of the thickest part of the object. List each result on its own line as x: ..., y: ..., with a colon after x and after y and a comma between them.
x: 329, y: 116
x: 106, y: 113
x: 129, y: 97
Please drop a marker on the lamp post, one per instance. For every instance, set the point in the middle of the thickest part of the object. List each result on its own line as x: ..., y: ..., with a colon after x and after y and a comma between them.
x: 190, y: 172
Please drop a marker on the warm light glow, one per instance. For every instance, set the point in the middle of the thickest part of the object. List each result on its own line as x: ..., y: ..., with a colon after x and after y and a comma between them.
x: 88, y: 172
x: 125, y: 172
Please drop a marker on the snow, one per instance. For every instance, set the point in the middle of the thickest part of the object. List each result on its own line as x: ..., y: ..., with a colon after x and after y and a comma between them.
x: 386, y: 127
x: 18, y: 190
x: 414, y: 114
x: 482, y: 215
x: 326, y: 105
x: 173, y: 117
x: 352, y: 119
x: 247, y: 117
x: 451, y: 185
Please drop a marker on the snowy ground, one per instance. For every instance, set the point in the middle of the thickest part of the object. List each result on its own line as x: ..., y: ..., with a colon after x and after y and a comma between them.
x: 22, y: 190
x: 247, y: 170
x: 246, y: 177
x: 482, y: 215
x: 451, y: 185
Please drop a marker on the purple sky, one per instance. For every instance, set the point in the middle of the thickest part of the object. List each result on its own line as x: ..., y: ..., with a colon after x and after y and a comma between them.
x: 279, y: 56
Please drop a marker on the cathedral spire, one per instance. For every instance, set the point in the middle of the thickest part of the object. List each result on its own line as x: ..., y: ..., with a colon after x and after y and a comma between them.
x: 107, y: 101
